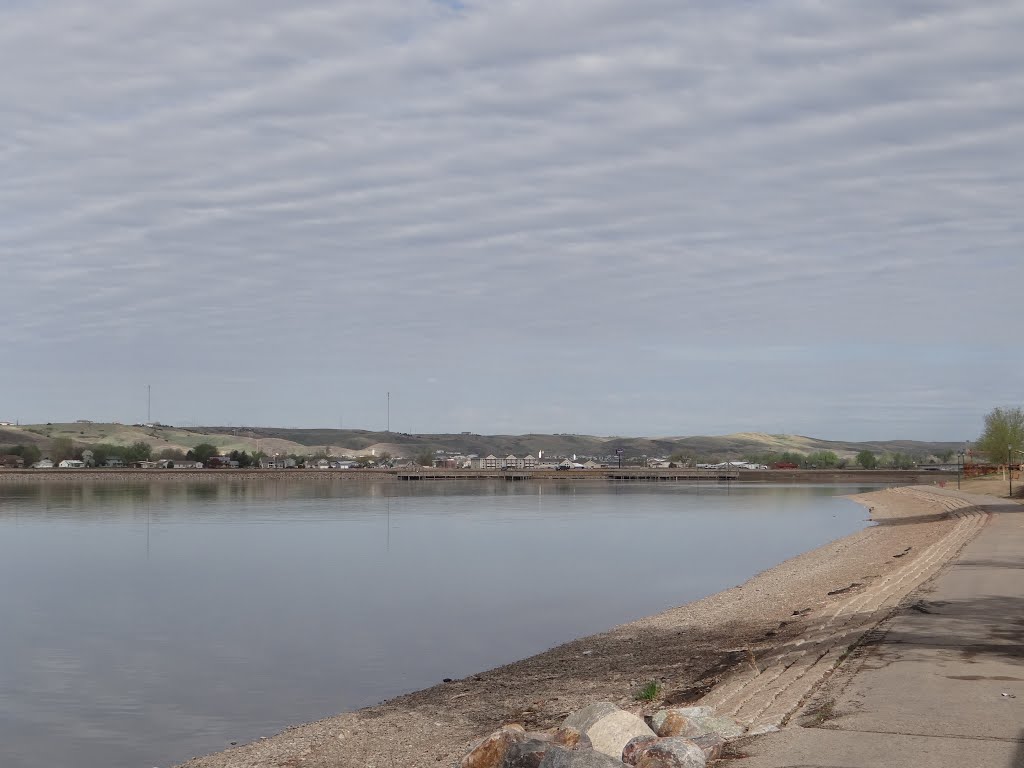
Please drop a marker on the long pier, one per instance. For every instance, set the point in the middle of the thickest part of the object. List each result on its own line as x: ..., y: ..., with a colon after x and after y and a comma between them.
x: 514, y: 475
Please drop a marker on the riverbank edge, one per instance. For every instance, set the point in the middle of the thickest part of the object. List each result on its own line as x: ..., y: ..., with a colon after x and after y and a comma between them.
x: 128, y: 476
x: 686, y: 651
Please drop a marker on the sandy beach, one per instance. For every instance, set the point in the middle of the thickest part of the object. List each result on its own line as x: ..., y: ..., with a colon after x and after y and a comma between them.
x: 686, y: 650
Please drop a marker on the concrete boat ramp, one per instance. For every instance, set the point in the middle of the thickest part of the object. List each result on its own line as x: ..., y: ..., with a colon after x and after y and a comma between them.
x: 939, y: 684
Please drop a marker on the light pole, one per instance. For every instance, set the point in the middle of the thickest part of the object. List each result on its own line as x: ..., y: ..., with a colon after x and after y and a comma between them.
x: 959, y: 466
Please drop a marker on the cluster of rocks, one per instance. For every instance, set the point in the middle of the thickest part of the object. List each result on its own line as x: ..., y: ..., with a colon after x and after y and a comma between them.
x: 604, y: 736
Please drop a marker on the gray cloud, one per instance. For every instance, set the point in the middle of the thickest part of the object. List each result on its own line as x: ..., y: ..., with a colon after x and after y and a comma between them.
x: 651, y: 216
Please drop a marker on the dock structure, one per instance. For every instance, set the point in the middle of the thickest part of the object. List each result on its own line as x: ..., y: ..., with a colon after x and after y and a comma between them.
x: 641, y: 474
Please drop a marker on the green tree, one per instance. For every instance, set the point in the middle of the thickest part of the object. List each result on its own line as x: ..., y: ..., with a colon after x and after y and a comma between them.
x: 61, y: 448
x: 946, y: 456
x: 822, y: 459
x: 137, y: 451
x: 203, y: 452
x: 171, y: 453
x: 104, y: 452
x: 425, y: 458
x: 867, y: 460
x: 29, y: 453
x: 244, y: 459
x: 1004, y: 429
x: 898, y: 460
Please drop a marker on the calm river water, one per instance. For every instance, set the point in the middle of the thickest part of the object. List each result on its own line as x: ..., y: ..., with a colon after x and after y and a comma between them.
x: 142, y: 625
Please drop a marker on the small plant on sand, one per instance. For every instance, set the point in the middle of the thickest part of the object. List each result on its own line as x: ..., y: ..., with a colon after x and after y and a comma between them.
x: 649, y: 692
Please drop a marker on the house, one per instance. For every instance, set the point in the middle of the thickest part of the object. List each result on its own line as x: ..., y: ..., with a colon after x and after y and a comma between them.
x: 321, y: 464
x: 115, y: 463
x: 179, y: 464
x: 71, y: 464
x: 12, y: 461
x: 43, y: 464
x: 277, y: 462
x: 489, y: 461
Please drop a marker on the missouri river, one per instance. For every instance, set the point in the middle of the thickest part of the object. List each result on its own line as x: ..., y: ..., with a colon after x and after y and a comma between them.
x: 144, y: 624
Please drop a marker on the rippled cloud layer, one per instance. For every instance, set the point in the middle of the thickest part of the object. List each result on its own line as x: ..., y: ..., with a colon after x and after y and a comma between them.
x: 650, y: 216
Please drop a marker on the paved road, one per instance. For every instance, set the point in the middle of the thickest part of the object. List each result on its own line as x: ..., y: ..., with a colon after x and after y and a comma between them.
x: 940, y: 684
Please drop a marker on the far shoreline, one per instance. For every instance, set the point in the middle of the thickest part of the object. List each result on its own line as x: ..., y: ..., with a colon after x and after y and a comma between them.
x: 625, y: 475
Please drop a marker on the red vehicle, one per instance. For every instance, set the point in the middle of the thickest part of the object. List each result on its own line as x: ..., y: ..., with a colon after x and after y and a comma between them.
x: 785, y: 465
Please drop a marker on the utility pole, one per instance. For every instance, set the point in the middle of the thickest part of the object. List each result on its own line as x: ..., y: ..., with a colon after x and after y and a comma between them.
x: 389, y: 412
x: 149, y: 403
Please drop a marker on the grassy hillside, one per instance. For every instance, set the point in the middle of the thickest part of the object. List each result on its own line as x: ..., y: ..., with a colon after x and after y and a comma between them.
x: 340, y: 442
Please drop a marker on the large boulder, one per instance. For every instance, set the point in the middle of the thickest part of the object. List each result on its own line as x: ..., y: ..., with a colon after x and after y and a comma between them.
x: 570, y: 738
x: 527, y: 753
x: 694, y: 721
x: 711, y: 744
x: 608, y: 727
x: 634, y: 746
x: 557, y: 757
x: 671, y: 752
x: 490, y: 753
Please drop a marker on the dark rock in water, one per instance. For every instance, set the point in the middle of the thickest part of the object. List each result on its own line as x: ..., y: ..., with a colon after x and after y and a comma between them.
x: 490, y: 753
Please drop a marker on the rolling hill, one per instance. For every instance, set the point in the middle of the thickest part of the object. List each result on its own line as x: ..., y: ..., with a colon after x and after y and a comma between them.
x: 353, y: 442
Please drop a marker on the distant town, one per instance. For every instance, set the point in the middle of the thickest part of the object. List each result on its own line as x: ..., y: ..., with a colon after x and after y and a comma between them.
x: 85, y: 444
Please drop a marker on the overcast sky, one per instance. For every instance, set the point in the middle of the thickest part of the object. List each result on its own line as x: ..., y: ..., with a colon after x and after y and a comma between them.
x: 651, y: 217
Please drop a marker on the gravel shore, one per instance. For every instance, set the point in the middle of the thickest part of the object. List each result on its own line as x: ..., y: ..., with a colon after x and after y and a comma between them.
x: 687, y: 650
